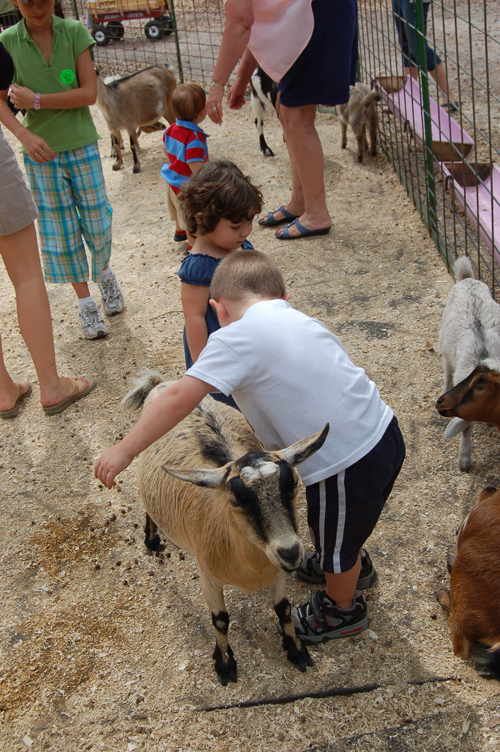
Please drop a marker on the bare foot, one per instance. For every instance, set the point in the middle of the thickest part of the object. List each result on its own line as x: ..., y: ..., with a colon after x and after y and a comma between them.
x: 64, y: 391
x: 9, y: 399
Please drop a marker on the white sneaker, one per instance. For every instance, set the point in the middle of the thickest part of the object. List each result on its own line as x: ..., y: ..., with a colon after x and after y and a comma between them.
x: 112, y: 298
x: 92, y: 322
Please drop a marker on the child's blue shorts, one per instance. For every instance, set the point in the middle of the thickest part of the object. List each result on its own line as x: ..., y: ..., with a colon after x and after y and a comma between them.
x: 343, y: 509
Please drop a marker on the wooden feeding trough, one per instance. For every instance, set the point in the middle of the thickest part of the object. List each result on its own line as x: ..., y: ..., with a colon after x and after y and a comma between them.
x: 403, y: 96
x: 476, y: 188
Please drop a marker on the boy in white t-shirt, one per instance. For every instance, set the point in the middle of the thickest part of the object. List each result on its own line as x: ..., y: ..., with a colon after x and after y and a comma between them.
x: 289, y: 376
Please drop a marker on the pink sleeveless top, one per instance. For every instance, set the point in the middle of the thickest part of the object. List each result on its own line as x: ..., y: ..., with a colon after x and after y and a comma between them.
x: 281, y: 30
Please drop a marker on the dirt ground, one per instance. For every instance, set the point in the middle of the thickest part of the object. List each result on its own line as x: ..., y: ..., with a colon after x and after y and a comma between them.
x: 106, y: 648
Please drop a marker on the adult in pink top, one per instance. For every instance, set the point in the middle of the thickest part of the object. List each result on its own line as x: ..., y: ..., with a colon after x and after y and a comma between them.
x: 309, y: 47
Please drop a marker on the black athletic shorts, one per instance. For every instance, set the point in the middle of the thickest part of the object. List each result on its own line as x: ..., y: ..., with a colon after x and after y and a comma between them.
x: 343, y: 509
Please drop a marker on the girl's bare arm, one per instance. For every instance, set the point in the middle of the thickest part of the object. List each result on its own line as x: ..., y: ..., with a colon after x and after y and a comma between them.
x: 194, y: 300
x: 84, y: 95
x: 36, y: 147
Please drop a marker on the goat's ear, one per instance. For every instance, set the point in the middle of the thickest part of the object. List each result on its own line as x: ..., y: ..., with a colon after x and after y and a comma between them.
x: 210, y: 477
x: 302, y: 450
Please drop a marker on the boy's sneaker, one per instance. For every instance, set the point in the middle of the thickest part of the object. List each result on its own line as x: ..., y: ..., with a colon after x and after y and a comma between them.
x: 310, y: 571
x: 92, y: 322
x: 112, y: 298
x: 320, y: 620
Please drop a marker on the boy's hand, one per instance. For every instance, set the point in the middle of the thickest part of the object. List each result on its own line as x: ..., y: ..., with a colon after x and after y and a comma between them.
x: 109, y: 464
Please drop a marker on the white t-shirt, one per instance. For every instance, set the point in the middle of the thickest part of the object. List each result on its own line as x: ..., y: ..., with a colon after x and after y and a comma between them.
x: 289, y: 376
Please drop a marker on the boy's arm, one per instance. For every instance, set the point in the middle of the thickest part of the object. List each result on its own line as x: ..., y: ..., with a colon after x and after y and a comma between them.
x: 194, y: 300
x: 168, y: 409
x: 36, y: 147
x: 86, y: 93
x: 194, y: 167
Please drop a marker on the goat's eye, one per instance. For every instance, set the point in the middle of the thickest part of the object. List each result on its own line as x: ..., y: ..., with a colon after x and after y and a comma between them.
x: 478, y: 387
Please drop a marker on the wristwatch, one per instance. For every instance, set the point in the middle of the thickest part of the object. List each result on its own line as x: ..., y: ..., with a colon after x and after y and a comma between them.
x: 36, y: 103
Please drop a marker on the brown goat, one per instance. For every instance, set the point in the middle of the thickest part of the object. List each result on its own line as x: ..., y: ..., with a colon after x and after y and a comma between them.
x: 135, y: 102
x: 360, y: 111
x: 473, y: 603
x: 476, y: 398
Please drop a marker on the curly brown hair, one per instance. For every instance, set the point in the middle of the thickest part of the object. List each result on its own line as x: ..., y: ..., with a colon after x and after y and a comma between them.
x: 219, y: 190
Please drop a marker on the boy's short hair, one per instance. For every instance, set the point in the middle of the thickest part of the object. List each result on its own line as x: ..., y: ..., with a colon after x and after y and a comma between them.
x: 219, y: 190
x: 244, y: 273
x: 188, y: 100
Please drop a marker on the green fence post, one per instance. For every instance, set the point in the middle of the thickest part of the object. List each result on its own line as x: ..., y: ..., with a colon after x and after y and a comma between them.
x: 176, y: 36
x: 430, y: 182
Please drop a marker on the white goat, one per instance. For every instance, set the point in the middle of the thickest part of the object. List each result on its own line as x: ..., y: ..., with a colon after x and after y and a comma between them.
x: 263, y: 92
x: 360, y: 111
x: 240, y: 519
x: 135, y: 102
x: 469, y: 336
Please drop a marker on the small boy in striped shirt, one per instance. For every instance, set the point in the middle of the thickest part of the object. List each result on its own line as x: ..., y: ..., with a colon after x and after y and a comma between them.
x: 185, y: 145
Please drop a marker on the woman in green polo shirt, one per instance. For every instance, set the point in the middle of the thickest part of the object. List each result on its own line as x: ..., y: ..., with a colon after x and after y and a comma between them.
x: 55, y: 83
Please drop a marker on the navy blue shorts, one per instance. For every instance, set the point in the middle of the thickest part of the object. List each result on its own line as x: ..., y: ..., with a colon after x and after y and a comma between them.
x: 326, y: 68
x: 343, y: 509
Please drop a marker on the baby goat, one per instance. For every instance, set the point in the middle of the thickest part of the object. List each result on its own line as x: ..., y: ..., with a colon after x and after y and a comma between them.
x: 473, y: 603
x: 135, y: 102
x: 236, y: 512
x: 263, y: 91
x: 360, y: 111
x: 469, y: 336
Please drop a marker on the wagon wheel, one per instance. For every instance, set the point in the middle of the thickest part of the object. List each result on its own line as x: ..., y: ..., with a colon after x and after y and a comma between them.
x: 167, y: 24
x: 115, y: 29
x: 100, y: 36
x: 154, y: 30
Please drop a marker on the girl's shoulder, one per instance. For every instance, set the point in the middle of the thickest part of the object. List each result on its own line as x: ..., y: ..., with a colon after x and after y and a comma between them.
x: 198, y: 269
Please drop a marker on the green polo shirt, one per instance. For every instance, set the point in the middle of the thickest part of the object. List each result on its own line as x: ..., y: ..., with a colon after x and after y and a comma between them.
x: 62, y: 129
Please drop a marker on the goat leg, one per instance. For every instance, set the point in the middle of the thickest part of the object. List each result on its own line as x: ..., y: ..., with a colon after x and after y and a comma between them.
x: 133, y: 148
x: 344, y: 135
x: 297, y: 653
x: 225, y: 664
x: 152, y: 539
x: 118, y: 147
x: 373, y: 133
x: 361, y: 139
x: 465, y: 450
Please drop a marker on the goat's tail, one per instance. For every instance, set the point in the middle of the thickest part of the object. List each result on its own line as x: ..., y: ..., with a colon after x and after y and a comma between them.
x: 463, y: 269
x: 487, y: 660
x: 143, y: 385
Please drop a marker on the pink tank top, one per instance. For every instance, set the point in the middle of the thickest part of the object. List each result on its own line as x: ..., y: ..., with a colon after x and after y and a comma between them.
x: 281, y: 30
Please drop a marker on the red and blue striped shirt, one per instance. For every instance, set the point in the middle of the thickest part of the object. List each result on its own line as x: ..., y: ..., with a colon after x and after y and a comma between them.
x: 184, y: 142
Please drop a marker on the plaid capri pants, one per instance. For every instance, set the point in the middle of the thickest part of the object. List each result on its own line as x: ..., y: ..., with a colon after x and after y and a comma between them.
x: 71, y: 197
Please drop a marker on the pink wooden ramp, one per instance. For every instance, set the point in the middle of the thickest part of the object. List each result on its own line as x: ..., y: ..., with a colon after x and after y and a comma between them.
x: 450, y: 141
x: 476, y: 188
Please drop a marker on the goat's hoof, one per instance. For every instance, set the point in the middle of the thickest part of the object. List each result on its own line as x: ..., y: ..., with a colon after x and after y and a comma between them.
x: 297, y: 654
x: 225, y: 670
x: 360, y: 158
x: 268, y: 153
x: 443, y: 598
x: 464, y: 467
x: 136, y: 169
x: 373, y: 153
x: 117, y: 166
x: 154, y: 544
x: 344, y: 146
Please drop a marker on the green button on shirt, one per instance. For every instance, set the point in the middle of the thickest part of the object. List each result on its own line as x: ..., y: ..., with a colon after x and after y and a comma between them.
x: 62, y: 129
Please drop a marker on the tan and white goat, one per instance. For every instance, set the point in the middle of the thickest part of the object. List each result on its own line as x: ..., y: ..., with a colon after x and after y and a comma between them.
x: 236, y: 512
x: 359, y: 112
x: 135, y: 103
x: 473, y: 603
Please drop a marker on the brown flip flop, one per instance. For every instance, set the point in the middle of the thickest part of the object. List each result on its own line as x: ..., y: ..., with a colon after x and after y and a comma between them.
x: 75, y: 395
x: 5, y: 414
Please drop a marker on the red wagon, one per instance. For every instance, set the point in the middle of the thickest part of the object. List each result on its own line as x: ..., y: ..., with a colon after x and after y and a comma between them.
x: 107, y: 17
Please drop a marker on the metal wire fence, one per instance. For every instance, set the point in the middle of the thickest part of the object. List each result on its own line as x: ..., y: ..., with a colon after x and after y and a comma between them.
x: 134, y: 34
x: 445, y: 160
